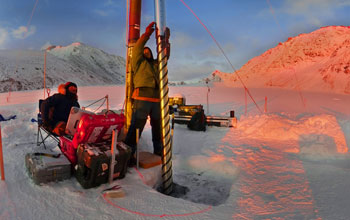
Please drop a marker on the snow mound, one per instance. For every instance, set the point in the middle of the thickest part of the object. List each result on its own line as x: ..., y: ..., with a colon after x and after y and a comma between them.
x: 318, y: 61
x: 299, y: 135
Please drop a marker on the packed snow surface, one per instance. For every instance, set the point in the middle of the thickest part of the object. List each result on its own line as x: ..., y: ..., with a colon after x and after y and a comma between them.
x: 288, y: 160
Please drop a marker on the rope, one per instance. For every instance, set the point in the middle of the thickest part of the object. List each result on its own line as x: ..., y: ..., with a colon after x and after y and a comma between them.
x: 104, y: 100
x: 100, y: 105
x: 153, y: 215
x: 274, y: 15
x: 32, y: 14
x: 95, y: 102
x: 222, y: 51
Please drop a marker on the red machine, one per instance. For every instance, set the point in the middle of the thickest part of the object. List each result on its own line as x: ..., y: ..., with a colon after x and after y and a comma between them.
x: 91, y: 129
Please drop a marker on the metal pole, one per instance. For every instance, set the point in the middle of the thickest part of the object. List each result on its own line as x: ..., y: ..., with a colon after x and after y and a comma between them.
x: 167, y: 174
x: 1, y: 159
x: 137, y: 148
x: 113, y: 151
x: 133, y: 35
x: 207, y: 81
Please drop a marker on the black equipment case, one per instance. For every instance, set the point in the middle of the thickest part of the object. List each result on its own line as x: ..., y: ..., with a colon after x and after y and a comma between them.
x: 94, y: 160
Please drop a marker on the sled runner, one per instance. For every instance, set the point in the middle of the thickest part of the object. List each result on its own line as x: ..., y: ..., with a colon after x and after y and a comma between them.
x: 219, y: 121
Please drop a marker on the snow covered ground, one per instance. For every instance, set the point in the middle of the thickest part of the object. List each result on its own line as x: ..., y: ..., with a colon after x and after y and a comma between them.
x: 291, y: 162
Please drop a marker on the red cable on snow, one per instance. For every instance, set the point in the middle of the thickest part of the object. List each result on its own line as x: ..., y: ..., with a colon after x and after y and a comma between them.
x: 152, y: 215
x: 141, y: 176
x: 222, y: 51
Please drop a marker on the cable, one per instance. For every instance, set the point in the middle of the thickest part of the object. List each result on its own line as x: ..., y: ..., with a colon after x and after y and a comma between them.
x: 95, y: 102
x: 222, y: 51
x: 153, y: 215
x: 100, y: 105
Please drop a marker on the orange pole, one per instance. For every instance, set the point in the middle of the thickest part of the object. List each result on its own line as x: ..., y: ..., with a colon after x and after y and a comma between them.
x: 1, y: 159
x: 107, y: 103
x: 133, y: 34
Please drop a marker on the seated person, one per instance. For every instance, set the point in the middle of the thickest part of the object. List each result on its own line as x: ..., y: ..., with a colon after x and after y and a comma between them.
x: 55, y: 109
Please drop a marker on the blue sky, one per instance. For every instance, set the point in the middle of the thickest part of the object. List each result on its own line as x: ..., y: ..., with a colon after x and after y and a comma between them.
x: 244, y: 29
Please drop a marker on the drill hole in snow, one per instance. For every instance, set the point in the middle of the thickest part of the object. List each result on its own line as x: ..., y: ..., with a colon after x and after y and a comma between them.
x: 208, y: 182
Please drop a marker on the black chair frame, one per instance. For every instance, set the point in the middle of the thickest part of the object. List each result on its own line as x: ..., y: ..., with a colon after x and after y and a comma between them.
x: 43, y: 134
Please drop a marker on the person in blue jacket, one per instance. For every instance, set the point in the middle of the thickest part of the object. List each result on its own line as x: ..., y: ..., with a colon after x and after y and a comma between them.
x: 55, y: 109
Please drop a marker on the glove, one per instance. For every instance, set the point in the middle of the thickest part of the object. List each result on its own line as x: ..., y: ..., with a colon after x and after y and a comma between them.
x: 150, y: 28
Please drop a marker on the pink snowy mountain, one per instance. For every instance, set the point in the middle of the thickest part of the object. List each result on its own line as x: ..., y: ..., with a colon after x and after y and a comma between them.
x: 318, y: 61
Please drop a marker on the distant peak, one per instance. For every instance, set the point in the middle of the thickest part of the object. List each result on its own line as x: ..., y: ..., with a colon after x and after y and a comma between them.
x: 321, y: 59
x: 76, y: 44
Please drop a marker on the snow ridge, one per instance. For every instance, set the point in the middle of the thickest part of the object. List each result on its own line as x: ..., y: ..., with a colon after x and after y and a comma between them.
x: 318, y: 61
x: 79, y: 63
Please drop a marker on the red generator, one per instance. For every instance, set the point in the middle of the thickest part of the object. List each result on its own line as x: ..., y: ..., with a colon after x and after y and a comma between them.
x: 91, y: 129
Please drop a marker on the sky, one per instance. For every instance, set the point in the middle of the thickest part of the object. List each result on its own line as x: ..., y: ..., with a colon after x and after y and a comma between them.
x: 243, y: 29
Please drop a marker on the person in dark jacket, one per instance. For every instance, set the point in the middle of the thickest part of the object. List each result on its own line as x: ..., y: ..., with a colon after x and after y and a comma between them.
x: 55, y: 109
x: 146, y: 95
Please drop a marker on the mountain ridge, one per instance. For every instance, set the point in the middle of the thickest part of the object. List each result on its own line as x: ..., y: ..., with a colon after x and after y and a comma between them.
x: 79, y: 63
x: 317, y: 61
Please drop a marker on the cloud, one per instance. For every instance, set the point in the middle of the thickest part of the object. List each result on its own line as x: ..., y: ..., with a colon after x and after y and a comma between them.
x: 3, y: 36
x: 182, y: 40
x: 111, y: 3
x: 310, y: 12
x: 180, y: 69
x: 107, y: 8
x: 22, y: 32
x: 214, y: 51
x: 319, y: 7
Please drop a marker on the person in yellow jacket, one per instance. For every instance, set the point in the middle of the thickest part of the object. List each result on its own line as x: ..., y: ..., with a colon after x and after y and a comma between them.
x: 146, y: 94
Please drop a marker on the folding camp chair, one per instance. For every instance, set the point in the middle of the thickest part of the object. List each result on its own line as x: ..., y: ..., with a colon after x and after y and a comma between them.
x: 43, y: 134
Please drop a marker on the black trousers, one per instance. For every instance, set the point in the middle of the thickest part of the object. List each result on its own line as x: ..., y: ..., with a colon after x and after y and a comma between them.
x: 141, y: 110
